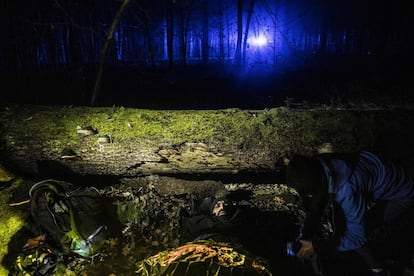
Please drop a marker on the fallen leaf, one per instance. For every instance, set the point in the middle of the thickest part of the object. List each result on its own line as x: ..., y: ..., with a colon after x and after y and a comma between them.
x: 35, y: 242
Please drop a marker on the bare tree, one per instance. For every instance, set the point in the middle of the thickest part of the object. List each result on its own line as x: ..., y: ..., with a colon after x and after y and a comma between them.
x: 239, y: 32
x: 221, y: 32
x: 148, y: 36
x: 246, y: 32
x: 185, y: 10
x: 205, y: 44
x: 170, y: 32
x: 272, y: 10
x: 108, y: 42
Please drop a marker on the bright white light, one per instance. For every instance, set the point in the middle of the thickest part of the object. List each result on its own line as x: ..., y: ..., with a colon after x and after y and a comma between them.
x: 259, y: 40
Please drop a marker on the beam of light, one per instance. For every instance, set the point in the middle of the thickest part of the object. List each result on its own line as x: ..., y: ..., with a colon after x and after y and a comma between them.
x: 260, y: 40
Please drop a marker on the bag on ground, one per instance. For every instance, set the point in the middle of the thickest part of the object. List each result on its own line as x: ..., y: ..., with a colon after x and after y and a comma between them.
x: 73, y: 216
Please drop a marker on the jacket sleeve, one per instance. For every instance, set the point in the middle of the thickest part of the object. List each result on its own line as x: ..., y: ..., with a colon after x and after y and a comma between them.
x: 310, y: 231
x: 348, y: 211
x: 196, y: 225
x: 309, y: 227
x: 205, y: 224
x: 354, y: 236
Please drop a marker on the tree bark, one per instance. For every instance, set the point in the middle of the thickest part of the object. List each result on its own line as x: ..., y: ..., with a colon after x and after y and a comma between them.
x: 133, y: 142
x: 221, y: 33
x: 239, y: 33
x: 205, y: 48
x: 170, y: 33
x: 108, y: 41
x: 246, y: 33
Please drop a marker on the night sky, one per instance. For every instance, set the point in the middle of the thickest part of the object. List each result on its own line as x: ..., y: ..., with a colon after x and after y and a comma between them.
x: 198, y: 54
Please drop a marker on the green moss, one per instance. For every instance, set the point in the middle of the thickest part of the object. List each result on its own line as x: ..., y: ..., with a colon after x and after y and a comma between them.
x: 5, y: 176
x: 136, y: 125
x: 275, y: 132
x: 11, y: 219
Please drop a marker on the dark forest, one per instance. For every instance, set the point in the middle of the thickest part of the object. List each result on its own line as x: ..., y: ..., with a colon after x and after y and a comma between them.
x: 204, y: 53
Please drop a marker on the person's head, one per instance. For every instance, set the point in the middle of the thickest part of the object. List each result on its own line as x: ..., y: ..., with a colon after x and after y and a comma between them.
x: 221, y: 207
x: 307, y: 177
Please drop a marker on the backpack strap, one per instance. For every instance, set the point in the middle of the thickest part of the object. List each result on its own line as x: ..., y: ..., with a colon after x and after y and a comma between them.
x: 328, y: 175
x: 54, y: 197
x: 45, y: 183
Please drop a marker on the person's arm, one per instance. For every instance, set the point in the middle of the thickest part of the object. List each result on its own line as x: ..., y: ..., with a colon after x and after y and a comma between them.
x: 348, y: 222
x: 197, y: 225
x: 310, y: 240
x: 307, y: 234
x: 354, y: 234
x: 309, y: 226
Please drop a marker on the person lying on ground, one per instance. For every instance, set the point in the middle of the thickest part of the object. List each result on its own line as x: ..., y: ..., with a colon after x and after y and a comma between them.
x: 217, y: 219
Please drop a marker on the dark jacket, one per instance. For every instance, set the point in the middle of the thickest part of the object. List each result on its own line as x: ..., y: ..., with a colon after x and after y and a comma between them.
x: 353, y: 182
x: 206, y: 226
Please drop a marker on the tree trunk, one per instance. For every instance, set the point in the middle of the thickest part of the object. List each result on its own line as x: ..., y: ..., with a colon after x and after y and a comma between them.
x: 183, y: 36
x: 185, y: 10
x: 108, y: 42
x: 133, y: 142
x: 323, y: 33
x: 239, y: 33
x: 205, y: 48
x: 221, y: 33
x: 148, y: 36
x: 170, y: 33
x: 246, y: 32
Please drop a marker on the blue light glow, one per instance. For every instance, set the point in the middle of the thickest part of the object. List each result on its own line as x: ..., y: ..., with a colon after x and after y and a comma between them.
x: 264, y: 36
x: 259, y: 41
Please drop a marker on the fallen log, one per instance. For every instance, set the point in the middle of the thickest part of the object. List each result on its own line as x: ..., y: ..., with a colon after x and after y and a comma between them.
x: 128, y: 142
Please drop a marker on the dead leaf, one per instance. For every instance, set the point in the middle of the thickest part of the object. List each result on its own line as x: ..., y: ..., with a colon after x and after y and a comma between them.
x: 35, y: 242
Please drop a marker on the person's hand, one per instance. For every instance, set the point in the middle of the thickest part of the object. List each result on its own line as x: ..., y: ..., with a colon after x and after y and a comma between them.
x: 378, y: 272
x: 307, y: 250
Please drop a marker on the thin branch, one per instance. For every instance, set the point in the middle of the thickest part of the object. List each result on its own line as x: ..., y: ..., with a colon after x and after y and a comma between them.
x: 105, y: 50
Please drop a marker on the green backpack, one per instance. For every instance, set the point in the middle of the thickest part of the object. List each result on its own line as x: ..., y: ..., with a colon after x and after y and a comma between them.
x: 73, y: 216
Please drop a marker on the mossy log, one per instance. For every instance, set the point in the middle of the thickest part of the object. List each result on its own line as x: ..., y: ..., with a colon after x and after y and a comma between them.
x: 130, y: 142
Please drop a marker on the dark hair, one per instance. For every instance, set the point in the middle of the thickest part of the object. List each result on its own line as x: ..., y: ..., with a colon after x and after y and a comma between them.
x: 307, y: 177
x: 207, y: 205
x: 214, y: 202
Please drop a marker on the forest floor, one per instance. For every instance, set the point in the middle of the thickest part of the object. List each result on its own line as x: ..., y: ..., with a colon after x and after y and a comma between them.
x: 150, y: 217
